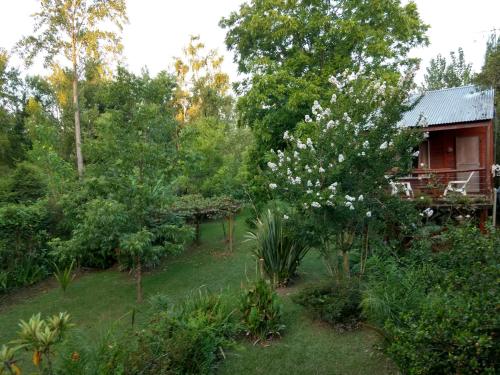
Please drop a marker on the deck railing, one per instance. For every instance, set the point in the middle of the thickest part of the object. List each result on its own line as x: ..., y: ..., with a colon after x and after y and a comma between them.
x: 433, y: 182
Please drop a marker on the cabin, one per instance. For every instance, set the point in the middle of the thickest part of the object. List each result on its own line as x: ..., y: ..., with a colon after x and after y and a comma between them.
x: 458, y: 153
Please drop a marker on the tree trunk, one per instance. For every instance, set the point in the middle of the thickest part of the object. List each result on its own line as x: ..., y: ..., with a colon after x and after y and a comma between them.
x: 138, y: 272
x: 78, y: 136
x: 197, y: 231
x: 230, y: 230
x: 345, y: 262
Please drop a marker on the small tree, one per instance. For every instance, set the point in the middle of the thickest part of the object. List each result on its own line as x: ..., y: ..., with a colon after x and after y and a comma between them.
x: 75, y: 30
x: 338, y: 164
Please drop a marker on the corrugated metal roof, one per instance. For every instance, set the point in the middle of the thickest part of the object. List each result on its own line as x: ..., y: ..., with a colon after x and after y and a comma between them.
x: 447, y: 106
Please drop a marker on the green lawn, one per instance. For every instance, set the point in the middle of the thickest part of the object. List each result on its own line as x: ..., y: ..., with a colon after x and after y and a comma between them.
x: 99, y: 300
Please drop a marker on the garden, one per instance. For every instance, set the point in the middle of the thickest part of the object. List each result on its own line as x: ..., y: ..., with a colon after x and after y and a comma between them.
x: 172, y: 223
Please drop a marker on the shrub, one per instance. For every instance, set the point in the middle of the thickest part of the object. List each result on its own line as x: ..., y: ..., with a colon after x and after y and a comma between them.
x: 261, y: 311
x: 337, y: 304
x: 439, y: 311
x: 23, y: 244
x: 280, y: 251
x: 187, y: 339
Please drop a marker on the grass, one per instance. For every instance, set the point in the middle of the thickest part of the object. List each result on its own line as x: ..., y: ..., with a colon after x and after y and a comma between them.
x: 99, y: 300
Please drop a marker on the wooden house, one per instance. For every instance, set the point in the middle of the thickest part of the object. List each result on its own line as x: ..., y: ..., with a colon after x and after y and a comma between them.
x: 457, y: 154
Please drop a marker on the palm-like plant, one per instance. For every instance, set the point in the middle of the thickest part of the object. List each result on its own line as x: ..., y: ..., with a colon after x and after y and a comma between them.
x: 64, y: 276
x: 280, y: 252
x: 41, y: 335
x: 8, y: 362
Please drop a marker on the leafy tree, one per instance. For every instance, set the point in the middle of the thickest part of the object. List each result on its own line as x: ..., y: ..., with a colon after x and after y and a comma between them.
x: 289, y: 49
x: 13, y: 139
x: 131, y: 161
x: 212, y: 158
x: 336, y: 168
x: 75, y: 31
x: 442, y: 74
x: 490, y: 72
x: 202, y: 87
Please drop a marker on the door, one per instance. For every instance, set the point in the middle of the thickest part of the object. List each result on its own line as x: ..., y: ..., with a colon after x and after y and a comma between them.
x: 467, y: 151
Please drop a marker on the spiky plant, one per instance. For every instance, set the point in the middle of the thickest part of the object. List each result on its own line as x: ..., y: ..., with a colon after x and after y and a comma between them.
x: 280, y: 252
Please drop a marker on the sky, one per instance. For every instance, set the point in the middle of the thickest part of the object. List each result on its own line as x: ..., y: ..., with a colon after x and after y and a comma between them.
x: 159, y: 29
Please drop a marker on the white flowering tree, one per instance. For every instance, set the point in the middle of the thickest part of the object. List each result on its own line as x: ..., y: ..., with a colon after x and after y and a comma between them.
x: 338, y: 165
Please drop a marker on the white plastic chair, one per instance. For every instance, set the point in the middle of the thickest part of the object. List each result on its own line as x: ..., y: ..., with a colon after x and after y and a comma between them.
x: 404, y: 186
x: 458, y: 186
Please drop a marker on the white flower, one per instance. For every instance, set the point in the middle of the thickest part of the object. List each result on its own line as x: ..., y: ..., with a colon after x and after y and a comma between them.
x: 366, y: 144
x: 272, y: 166
x: 309, y: 191
x: 427, y: 212
x: 415, y: 154
x: 383, y: 146
x: 368, y: 214
x: 349, y: 198
x: 309, y: 142
x: 333, y: 99
x: 309, y: 183
x: 286, y: 136
x: 341, y: 158
x: 300, y: 145
x: 315, y: 205
x: 321, y: 170
x: 307, y: 118
x: 306, y: 205
x: 333, y: 187
x: 361, y: 198
x: 273, y: 186
x: 285, y: 217
x: 318, y: 184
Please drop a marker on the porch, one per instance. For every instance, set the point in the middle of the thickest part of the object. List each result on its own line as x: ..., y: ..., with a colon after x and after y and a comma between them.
x: 433, y: 183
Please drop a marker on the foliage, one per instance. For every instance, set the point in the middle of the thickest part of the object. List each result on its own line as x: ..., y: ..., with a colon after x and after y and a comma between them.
x: 280, y: 251
x: 212, y: 158
x: 438, y: 310
x: 23, y: 244
x: 287, y: 50
x: 64, y: 276
x: 337, y: 167
x: 26, y: 184
x: 261, y: 310
x: 202, y: 87
x: 74, y: 31
x: 186, y: 339
x: 129, y: 169
x: 40, y: 336
x: 442, y: 74
x: 337, y: 304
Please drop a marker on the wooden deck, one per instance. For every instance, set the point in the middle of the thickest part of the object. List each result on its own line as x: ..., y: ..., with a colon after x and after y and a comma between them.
x: 432, y: 183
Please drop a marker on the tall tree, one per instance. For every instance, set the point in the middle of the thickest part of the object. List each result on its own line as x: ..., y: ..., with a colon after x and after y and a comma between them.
x: 289, y: 48
x: 490, y: 72
x: 13, y: 139
x: 442, y: 73
x: 75, y: 30
x: 202, y: 87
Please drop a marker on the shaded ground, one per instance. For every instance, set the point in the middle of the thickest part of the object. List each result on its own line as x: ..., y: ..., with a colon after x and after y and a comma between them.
x: 100, y: 300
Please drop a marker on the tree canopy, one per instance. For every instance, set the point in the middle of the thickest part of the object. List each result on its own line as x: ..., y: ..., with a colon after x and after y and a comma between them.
x: 442, y: 74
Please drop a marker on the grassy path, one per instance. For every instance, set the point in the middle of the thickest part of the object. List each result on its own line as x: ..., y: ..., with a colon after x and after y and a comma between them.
x: 100, y: 299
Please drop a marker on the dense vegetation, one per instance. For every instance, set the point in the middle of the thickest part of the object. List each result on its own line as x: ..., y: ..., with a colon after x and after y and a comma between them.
x: 105, y: 169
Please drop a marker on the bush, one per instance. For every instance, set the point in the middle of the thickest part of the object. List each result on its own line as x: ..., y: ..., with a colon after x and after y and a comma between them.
x: 280, y: 251
x: 187, y: 339
x: 261, y: 311
x: 444, y: 318
x: 337, y: 304
x: 23, y: 244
